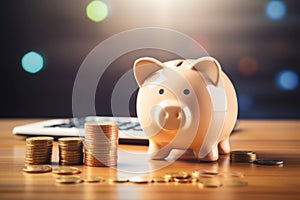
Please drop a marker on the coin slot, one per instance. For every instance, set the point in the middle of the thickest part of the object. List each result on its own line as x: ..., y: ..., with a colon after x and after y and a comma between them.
x: 179, y: 64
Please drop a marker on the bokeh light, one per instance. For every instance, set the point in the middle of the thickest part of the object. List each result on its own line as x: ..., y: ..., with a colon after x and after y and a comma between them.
x: 247, y: 66
x: 96, y: 11
x: 275, y: 9
x: 32, y: 62
x: 287, y: 80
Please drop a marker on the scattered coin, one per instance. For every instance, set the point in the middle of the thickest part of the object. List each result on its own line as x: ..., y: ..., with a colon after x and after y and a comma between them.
x: 209, y: 171
x: 178, y: 175
x: 234, y: 183
x: 94, y: 179
x: 207, y: 176
x: 162, y: 179
x: 68, y: 179
x: 66, y: 170
x: 37, y: 168
x: 268, y: 162
x: 242, y: 156
x: 212, y: 183
x: 119, y: 180
x: 233, y: 174
x: 183, y: 180
x: 205, y: 173
x: 140, y: 180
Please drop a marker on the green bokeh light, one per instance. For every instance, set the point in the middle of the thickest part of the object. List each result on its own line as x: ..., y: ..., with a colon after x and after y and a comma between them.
x: 32, y: 62
x: 96, y: 11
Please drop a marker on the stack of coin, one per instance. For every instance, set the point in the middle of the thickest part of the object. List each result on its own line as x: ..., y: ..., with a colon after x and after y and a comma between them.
x: 101, y: 144
x: 242, y: 156
x: 70, y: 151
x: 38, y: 150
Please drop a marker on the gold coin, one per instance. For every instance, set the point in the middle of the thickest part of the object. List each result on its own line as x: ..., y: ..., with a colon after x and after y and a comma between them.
x: 212, y: 183
x: 209, y: 171
x: 37, y: 168
x: 39, y: 139
x: 207, y: 176
x: 234, y: 183
x: 66, y: 170
x: 102, y: 124
x: 94, y: 179
x: 205, y: 173
x: 119, y: 180
x: 70, y: 139
x: 242, y: 152
x: 268, y: 162
x: 242, y: 156
x: 68, y: 179
x: 183, y: 180
x: 101, y: 144
x: 180, y: 174
x: 140, y: 180
x: 162, y: 179
x: 233, y: 174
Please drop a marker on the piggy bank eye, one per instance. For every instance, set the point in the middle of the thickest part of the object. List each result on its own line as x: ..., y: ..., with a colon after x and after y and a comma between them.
x: 161, y: 91
x: 186, y: 91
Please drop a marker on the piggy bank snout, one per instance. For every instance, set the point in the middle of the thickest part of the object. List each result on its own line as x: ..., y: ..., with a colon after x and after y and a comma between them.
x: 171, y: 117
x: 172, y: 112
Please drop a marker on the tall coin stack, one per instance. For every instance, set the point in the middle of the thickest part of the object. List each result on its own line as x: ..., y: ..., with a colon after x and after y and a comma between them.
x: 38, y: 150
x: 101, y: 144
x: 70, y: 151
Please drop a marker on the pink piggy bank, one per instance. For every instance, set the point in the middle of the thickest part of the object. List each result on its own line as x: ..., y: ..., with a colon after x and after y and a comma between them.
x: 185, y: 104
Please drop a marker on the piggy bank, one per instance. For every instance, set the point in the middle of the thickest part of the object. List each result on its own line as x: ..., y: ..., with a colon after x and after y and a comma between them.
x: 185, y: 104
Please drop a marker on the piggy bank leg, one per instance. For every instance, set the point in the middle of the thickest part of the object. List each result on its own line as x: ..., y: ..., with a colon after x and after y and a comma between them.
x: 224, y: 146
x: 213, y: 155
x: 157, y: 152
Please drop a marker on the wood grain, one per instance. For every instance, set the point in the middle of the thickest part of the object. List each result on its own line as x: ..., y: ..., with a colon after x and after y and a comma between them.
x: 268, y: 138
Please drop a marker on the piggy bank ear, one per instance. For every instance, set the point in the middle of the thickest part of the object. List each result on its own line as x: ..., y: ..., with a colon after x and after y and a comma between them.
x: 210, y: 67
x: 145, y: 66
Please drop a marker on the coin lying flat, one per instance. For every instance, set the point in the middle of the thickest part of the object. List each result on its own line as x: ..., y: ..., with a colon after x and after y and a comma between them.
x: 68, y: 179
x: 233, y: 174
x: 268, y: 162
x: 234, y: 183
x: 183, y: 180
x: 140, y: 180
x: 66, y: 170
x: 94, y: 179
x: 37, y: 168
x: 178, y: 175
x: 162, y: 179
x: 119, y: 180
x: 205, y: 173
x: 212, y: 183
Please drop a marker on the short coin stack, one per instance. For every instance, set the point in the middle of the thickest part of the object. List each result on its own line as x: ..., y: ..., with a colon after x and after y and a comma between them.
x: 101, y: 144
x: 242, y: 156
x: 70, y: 151
x: 38, y: 150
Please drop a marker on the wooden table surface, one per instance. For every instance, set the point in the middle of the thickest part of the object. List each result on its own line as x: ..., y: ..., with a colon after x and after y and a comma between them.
x: 276, y: 139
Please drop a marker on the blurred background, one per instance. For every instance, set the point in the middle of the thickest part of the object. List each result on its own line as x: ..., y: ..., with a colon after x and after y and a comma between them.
x: 44, y: 43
